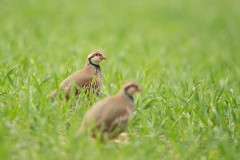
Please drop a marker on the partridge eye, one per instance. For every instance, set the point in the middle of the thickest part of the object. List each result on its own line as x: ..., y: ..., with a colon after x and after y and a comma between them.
x: 134, y: 86
x: 97, y: 54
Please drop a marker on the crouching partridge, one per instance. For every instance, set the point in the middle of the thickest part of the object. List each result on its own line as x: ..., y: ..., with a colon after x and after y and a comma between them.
x: 89, y: 77
x: 109, y: 117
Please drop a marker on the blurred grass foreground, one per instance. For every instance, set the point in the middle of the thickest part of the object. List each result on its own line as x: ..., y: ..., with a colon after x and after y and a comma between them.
x: 185, y: 55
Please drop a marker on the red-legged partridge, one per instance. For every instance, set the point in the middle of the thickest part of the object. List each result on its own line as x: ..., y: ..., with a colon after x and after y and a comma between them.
x: 109, y: 117
x: 89, y: 77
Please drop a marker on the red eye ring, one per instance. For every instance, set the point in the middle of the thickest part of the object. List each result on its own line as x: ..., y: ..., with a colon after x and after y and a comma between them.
x: 136, y: 87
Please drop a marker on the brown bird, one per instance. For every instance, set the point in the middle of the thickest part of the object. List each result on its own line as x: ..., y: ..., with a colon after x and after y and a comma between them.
x: 90, y: 77
x: 109, y: 117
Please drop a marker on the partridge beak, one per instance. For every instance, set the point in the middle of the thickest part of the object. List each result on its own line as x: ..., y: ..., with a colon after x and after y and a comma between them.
x: 139, y: 89
x: 103, y: 57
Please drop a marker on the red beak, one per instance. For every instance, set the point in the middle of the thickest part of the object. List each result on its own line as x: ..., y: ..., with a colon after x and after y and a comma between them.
x: 139, y: 89
x: 102, y: 57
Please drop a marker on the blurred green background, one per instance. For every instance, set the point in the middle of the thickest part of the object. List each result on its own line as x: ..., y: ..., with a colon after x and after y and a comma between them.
x: 183, y: 53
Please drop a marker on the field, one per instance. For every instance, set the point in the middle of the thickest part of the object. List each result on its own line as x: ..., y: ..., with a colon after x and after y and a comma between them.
x: 184, y: 54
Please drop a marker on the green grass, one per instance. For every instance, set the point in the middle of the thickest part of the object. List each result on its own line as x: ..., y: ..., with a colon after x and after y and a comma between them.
x: 184, y: 54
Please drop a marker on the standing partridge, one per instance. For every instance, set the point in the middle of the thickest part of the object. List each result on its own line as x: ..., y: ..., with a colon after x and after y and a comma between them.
x: 109, y: 117
x: 89, y: 77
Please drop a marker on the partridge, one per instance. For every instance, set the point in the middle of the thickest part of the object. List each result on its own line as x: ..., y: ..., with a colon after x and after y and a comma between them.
x: 109, y: 117
x: 89, y: 77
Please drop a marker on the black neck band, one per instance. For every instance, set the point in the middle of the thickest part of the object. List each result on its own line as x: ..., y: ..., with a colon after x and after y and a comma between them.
x: 98, y: 68
x: 129, y: 96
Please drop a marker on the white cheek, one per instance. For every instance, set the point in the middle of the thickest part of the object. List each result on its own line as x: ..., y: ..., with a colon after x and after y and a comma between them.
x: 96, y: 59
x: 131, y: 91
